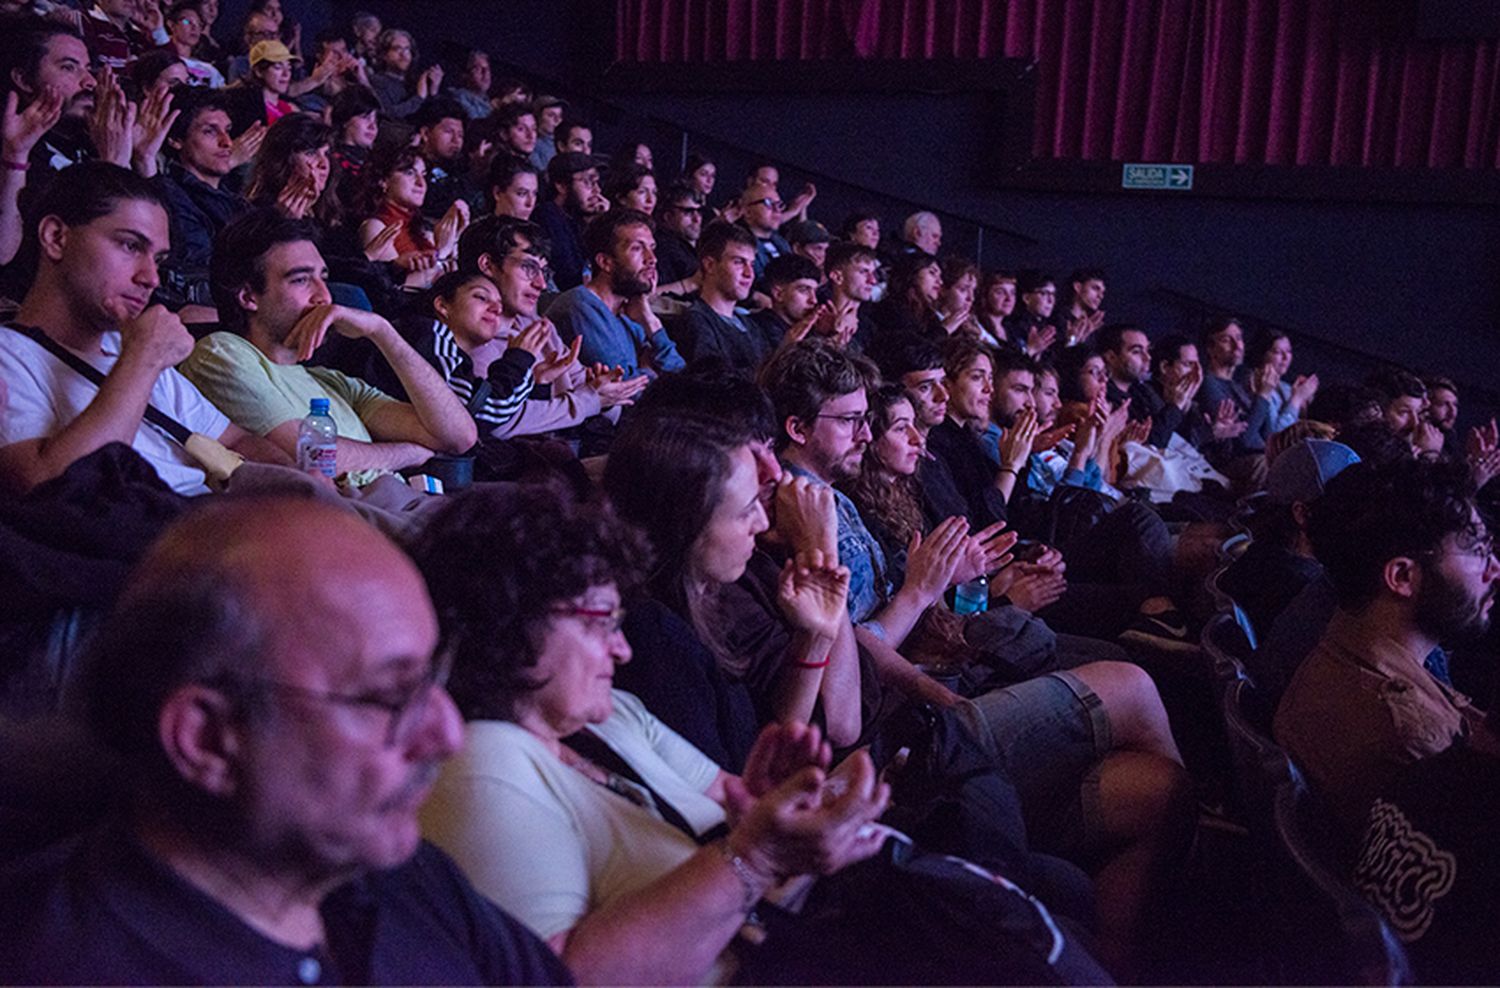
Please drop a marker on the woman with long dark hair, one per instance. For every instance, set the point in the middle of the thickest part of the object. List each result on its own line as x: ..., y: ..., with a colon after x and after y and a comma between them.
x: 692, y: 483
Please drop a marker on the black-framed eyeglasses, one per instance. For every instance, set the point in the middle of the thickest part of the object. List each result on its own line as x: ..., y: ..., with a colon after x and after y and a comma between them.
x: 606, y: 622
x: 1480, y: 545
x: 769, y: 203
x: 530, y: 267
x: 403, y: 706
x: 853, y: 421
x: 688, y: 209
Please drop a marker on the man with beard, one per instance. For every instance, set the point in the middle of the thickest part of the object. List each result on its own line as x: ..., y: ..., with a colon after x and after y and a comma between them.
x: 611, y: 312
x: 440, y: 131
x: 573, y: 197
x: 1127, y: 360
x: 45, y: 65
x: 1442, y: 411
x: 679, y: 224
x: 268, y: 682
x: 1412, y: 566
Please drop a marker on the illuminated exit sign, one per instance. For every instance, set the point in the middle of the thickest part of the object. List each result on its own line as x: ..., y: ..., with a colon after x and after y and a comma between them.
x: 1175, y: 178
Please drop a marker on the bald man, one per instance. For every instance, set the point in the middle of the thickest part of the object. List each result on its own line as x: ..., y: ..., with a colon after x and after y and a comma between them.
x: 280, y: 728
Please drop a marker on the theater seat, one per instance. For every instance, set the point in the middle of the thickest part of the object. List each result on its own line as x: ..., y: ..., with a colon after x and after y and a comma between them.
x: 1332, y: 935
x: 1261, y: 767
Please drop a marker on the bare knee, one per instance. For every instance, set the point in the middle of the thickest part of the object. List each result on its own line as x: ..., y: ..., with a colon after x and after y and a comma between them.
x: 1145, y: 796
x: 1137, y: 719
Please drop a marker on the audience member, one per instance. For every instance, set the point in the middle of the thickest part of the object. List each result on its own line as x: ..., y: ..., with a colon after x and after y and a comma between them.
x: 1266, y: 373
x: 277, y: 719
x: 701, y: 173
x: 440, y: 125
x: 574, y: 136
x: 1084, y: 314
x: 809, y: 239
x: 392, y: 79
x: 632, y: 186
x: 910, y: 303
x: 573, y: 197
x: 185, y: 26
x: 679, y: 224
x: 1412, y: 566
x: 1403, y: 399
x: 513, y: 186
x: 792, y: 282
x: 514, y: 128
x: 1238, y: 417
x: 761, y: 213
x: 549, y: 115
x: 611, y: 311
x: 712, y: 329
x: 473, y: 87
x: 393, y: 187
x: 261, y: 96
x: 851, y: 273
x: 922, y: 232
x: 201, y: 156
x: 354, y: 117
x: 101, y: 231
x: 270, y: 283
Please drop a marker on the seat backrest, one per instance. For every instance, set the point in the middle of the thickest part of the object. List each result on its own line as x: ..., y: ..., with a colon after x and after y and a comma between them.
x: 1224, y: 644
x: 1228, y: 605
x: 1261, y: 767
x: 1334, y: 935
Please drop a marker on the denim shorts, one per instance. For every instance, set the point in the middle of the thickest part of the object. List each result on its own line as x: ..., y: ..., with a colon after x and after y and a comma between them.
x: 1049, y: 735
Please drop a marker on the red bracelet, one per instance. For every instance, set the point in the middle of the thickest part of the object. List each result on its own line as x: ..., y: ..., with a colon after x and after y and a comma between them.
x: 17, y: 166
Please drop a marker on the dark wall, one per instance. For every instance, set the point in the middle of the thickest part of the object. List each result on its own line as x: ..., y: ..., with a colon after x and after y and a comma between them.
x: 1410, y: 283
x: 1362, y: 282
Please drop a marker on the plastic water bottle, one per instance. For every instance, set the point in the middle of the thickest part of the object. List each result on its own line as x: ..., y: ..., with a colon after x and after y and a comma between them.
x: 972, y: 597
x: 318, y: 441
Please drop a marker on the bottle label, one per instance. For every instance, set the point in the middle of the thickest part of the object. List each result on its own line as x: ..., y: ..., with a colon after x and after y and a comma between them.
x: 318, y: 458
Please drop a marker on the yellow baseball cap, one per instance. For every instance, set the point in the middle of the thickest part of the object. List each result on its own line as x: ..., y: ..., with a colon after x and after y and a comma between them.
x: 271, y: 51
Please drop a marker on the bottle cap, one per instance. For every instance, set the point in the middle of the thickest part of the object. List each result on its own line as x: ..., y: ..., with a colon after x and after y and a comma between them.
x: 320, y: 406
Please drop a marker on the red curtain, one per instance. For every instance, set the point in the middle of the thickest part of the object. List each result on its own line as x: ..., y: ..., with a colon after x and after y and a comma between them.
x: 1332, y: 82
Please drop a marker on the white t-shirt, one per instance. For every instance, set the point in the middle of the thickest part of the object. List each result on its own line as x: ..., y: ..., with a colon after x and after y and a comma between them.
x: 46, y: 394
x: 549, y: 844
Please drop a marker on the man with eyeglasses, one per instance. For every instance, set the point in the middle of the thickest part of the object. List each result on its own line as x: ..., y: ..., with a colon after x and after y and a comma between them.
x: 1039, y: 299
x: 513, y: 255
x: 1412, y: 567
x: 276, y: 730
x: 575, y: 197
x: 761, y: 213
x: 679, y: 224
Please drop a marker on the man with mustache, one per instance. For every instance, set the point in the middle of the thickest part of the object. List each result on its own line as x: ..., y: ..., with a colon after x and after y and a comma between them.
x: 610, y: 311
x: 271, y: 684
x: 1412, y: 566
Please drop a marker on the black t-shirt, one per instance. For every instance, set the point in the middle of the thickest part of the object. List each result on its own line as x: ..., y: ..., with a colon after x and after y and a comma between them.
x: 676, y: 259
x: 972, y: 470
x: 100, y: 909
x: 1431, y: 863
x: 679, y: 680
